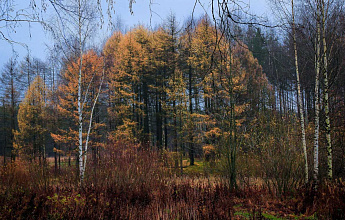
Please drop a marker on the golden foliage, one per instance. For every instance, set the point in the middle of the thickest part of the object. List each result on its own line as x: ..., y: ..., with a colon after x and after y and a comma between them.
x: 67, y: 108
x: 32, y: 120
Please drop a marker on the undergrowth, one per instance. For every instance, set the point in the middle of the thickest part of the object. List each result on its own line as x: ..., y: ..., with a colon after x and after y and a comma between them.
x: 132, y: 183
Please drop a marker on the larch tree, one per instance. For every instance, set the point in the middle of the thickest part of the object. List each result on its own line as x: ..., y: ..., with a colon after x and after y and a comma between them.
x: 178, y: 109
x: 27, y: 71
x: 123, y: 109
x: 10, y: 81
x: 166, y: 62
x: 161, y: 51
x: 30, y: 139
x: 199, y: 44
x: 145, y: 65
x: 244, y: 93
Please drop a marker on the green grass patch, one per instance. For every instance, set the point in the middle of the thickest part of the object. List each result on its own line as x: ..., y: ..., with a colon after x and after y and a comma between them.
x: 269, y: 216
x: 248, y: 215
x: 312, y: 217
x: 244, y: 214
x: 197, y: 169
x: 238, y: 205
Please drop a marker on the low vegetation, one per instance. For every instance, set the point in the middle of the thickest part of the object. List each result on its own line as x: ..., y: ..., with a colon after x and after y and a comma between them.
x: 133, y: 183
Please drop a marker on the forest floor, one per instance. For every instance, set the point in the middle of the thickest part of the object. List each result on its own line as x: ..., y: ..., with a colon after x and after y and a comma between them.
x: 253, y: 202
x: 136, y: 186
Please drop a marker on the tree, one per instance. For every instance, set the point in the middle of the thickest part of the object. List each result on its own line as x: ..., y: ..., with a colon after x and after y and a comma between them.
x: 31, y: 137
x: 77, y: 97
x: 176, y: 93
x: 144, y: 66
x: 321, y: 65
x: 120, y: 53
x: 299, y: 95
x: 10, y: 80
x: 324, y: 12
x: 198, y: 45
x: 166, y: 57
x: 11, y: 16
x: 26, y: 71
x: 317, y: 101
x: 76, y: 19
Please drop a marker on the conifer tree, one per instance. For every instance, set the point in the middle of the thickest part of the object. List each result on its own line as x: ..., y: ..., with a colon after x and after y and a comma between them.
x: 176, y: 92
x: 165, y: 50
x: 31, y: 137
x: 121, y: 52
x: 10, y: 81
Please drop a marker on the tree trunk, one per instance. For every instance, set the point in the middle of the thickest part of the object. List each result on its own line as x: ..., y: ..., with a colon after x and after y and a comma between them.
x: 326, y: 99
x: 4, y: 130
x: 91, y: 118
x: 80, y: 113
x: 159, y: 127
x: 13, y: 114
x: 146, y: 115
x: 191, y: 145
x: 317, y: 110
x: 299, y: 96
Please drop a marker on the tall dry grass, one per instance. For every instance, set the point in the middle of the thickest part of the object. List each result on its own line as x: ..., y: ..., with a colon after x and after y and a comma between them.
x: 131, y: 182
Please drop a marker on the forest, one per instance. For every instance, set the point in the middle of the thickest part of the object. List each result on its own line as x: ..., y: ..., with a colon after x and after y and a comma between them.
x: 221, y: 116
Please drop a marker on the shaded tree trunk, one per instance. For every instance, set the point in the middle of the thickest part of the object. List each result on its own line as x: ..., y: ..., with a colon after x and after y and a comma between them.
x: 326, y: 89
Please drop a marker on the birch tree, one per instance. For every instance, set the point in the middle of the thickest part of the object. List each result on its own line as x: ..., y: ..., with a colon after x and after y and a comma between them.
x: 317, y: 102
x: 299, y: 95
x: 324, y: 12
x: 69, y: 103
x: 77, y: 19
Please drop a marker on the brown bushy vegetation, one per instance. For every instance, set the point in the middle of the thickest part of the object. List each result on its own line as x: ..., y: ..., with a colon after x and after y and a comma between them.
x: 132, y: 183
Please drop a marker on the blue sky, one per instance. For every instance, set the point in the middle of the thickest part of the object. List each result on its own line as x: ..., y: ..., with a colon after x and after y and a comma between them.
x: 36, y: 39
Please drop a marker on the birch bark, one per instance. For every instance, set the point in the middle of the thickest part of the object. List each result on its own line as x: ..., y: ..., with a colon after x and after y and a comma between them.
x: 300, y: 103
x: 317, y: 104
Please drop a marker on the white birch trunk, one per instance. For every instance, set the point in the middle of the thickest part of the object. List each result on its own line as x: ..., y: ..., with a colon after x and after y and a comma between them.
x: 91, y: 116
x: 300, y: 103
x: 80, y: 112
x: 317, y: 107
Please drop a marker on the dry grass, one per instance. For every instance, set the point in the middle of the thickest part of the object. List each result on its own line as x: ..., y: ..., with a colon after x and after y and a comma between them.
x: 132, y: 183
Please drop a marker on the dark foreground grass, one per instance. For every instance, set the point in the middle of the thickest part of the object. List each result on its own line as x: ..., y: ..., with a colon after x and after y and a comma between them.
x: 131, y: 183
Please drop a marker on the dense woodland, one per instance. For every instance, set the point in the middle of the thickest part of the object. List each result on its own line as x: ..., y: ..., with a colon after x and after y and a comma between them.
x: 185, y: 116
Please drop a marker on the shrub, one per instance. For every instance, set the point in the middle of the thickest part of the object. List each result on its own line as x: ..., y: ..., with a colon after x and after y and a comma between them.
x: 209, y: 153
